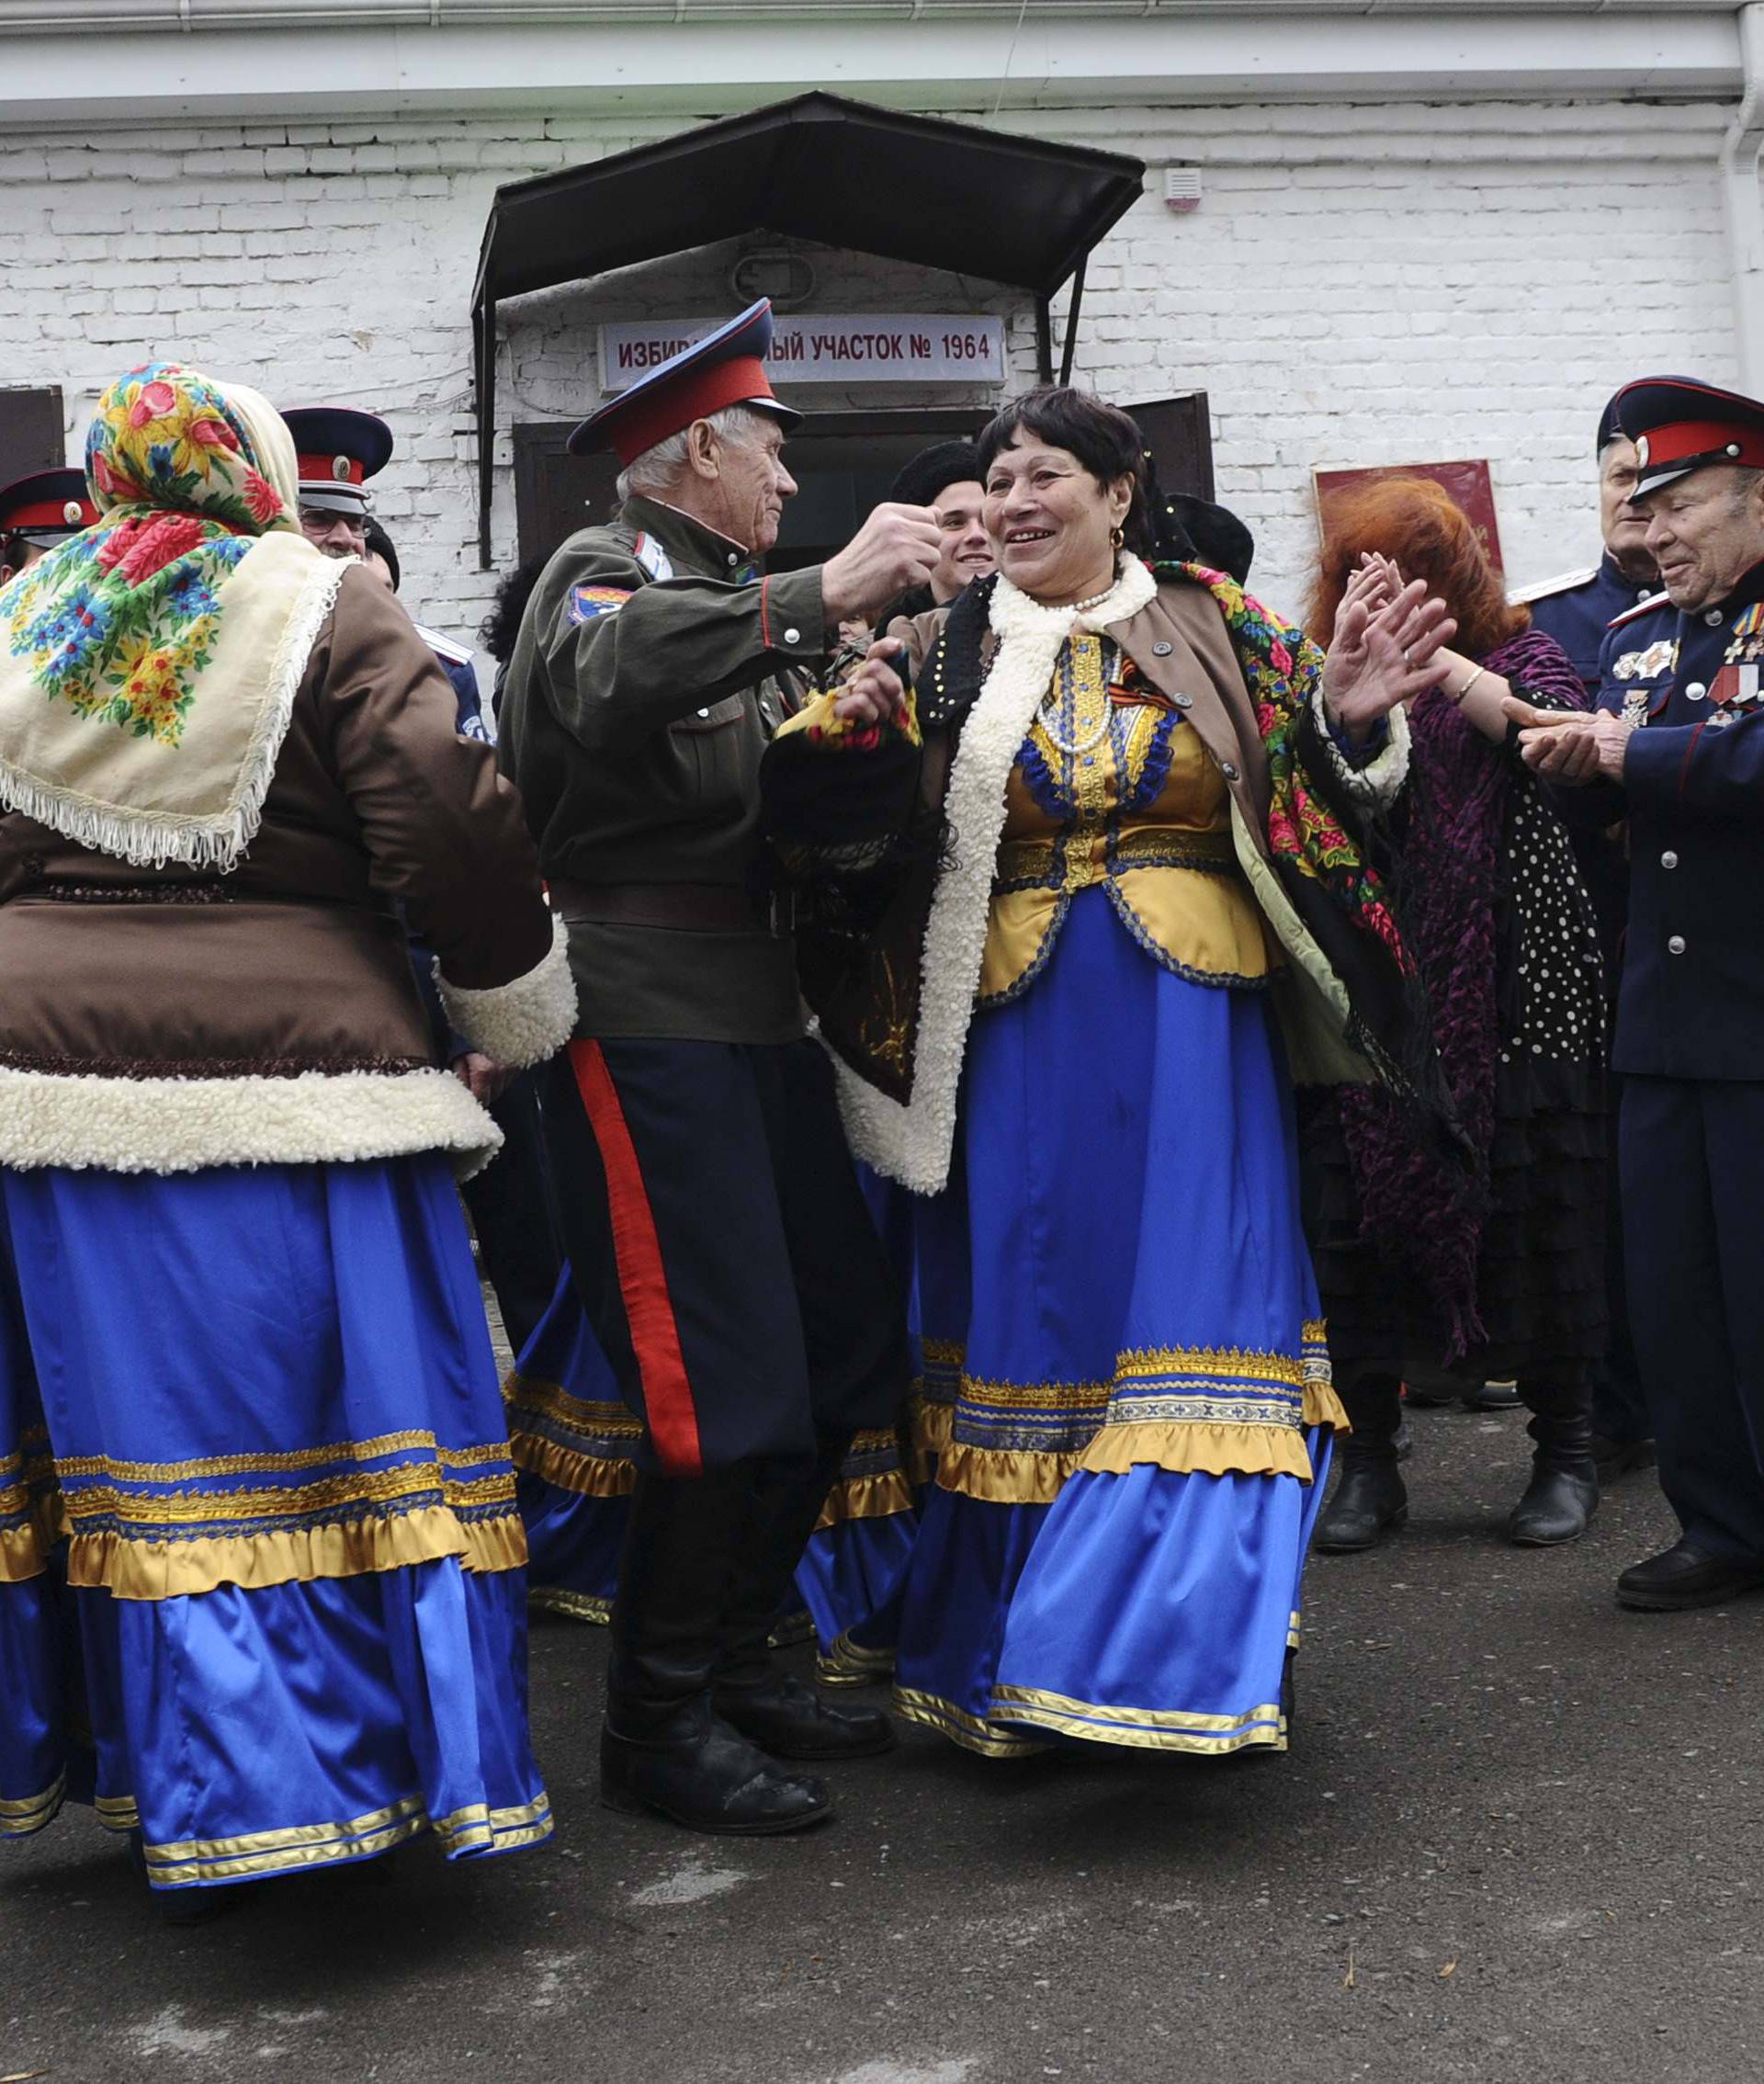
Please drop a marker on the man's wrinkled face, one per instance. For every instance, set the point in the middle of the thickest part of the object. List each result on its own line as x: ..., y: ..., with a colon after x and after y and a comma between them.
x: 753, y: 485
x: 337, y: 535
x: 1623, y: 527
x: 1706, y: 532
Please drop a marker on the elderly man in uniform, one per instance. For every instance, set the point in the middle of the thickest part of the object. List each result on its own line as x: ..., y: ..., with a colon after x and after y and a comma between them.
x: 1576, y: 608
x: 36, y: 512
x: 1687, y: 768
x: 715, y: 1226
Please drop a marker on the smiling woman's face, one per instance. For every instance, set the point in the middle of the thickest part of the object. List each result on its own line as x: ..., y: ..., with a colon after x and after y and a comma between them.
x: 1051, y: 523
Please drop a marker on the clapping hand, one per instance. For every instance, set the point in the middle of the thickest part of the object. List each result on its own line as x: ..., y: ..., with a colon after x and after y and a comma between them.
x: 1384, y: 655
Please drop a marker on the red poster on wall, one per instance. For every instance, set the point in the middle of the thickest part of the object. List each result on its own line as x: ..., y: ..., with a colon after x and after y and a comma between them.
x: 1468, y: 483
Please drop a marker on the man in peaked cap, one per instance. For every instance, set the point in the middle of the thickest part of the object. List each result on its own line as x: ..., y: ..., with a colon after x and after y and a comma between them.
x: 38, y: 512
x: 718, y: 1236
x: 1577, y: 608
x: 1686, y: 766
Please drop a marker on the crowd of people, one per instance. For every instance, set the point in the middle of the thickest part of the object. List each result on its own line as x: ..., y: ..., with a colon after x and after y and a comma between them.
x: 979, y: 1068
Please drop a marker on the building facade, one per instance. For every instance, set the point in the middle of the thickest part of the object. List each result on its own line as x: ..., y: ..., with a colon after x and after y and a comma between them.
x: 1407, y: 247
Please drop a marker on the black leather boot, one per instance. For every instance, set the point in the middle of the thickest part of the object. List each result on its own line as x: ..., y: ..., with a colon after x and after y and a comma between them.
x: 1563, y: 1494
x: 1370, y: 1500
x: 662, y: 1747
x: 779, y: 1712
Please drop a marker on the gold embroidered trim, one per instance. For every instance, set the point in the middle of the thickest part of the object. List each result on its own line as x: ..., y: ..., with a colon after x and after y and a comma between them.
x: 1208, y: 1364
x: 169, y: 1569
x: 477, y: 1827
x: 280, y: 1463
x: 20, y: 1819
x: 1160, y: 1730
x: 959, y: 1726
x: 361, y: 1487
x: 576, y: 1606
x: 118, y: 1812
x: 600, y: 1420
x: 847, y: 1664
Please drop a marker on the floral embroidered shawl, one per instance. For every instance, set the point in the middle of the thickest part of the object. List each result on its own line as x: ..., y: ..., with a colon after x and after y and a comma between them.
x: 147, y: 665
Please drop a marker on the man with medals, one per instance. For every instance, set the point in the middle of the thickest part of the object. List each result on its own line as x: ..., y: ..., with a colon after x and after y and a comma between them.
x: 1683, y: 760
x: 718, y: 1236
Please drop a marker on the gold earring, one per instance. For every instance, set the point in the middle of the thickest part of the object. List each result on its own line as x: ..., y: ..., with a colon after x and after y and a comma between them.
x: 1117, y: 537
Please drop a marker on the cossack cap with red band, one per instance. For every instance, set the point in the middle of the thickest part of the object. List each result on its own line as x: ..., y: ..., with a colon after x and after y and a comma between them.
x: 726, y: 367
x: 338, y: 450
x: 47, y: 506
x: 1679, y: 425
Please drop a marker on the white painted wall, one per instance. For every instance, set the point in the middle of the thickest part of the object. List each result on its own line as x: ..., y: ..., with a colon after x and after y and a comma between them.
x: 1361, y: 284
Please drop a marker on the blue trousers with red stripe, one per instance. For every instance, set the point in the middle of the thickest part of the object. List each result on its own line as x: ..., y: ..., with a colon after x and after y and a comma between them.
x: 722, y: 1248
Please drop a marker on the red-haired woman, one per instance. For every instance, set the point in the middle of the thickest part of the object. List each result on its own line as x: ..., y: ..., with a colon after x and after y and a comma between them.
x: 1495, y: 1269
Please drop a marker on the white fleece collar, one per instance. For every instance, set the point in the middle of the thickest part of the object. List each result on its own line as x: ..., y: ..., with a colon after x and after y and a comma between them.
x: 912, y: 1143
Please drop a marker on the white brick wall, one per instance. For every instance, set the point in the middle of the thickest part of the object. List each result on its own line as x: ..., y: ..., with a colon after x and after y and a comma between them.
x: 1359, y: 285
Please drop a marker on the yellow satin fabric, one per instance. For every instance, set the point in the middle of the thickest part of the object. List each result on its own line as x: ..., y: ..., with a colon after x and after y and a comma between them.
x: 1170, y: 866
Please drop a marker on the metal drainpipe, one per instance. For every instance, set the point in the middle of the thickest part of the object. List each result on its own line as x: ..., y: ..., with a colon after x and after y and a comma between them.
x: 1739, y: 175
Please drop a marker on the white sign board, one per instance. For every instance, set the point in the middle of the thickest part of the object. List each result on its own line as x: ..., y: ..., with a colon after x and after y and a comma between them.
x: 921, y: 347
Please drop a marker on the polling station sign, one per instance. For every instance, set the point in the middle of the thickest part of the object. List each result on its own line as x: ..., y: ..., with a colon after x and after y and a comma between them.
x: 918, y: 348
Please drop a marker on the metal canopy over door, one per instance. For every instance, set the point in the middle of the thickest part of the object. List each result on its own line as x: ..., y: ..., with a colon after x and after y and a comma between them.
x: 908, y: 188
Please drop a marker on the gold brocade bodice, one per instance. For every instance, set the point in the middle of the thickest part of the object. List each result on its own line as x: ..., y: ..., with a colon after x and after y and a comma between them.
x: 1114, y: 788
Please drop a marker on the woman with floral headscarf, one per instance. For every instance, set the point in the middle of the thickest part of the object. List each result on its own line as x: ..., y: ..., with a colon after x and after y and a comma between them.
x: 260, y: 1588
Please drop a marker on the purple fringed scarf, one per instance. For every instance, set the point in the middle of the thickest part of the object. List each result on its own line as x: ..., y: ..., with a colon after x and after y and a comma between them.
x: 1425, y: 1213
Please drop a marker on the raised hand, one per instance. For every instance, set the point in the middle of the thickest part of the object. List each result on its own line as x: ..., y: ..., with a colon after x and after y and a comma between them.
x: 897, y: 549
x: 1383, y: 658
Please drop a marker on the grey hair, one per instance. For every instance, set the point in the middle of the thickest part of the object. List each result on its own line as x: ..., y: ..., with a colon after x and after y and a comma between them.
x: 658, y: 468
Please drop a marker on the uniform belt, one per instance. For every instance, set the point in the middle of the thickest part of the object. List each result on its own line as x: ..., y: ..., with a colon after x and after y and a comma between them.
x: 699, y: 908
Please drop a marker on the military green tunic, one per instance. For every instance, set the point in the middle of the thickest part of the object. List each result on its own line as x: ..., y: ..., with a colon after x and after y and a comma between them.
x: 652, y: 669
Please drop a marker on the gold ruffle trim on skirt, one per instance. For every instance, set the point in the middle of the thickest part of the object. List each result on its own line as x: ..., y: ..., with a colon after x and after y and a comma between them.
x: 25, y: 1550
x: 589, y: 1476
x: 476, y: 1828
x: 960, y: 1728
x: 929, y: 1426
x: 169, y: 1569
x: 1323, y: 1406
x: 1151, y: 1730
x: 866, y: 1497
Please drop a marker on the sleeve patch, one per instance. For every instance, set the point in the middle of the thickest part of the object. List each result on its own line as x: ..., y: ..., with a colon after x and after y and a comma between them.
x: 587, y: 602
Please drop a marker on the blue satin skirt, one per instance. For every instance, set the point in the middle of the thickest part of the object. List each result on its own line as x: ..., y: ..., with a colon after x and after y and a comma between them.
x: 261, y: 1594
x: 1137, y: 1411
x: 575, y: 1445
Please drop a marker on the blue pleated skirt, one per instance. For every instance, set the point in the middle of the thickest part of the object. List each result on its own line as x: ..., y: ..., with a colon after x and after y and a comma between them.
x: 1136, y: 1415
x: 577, y: 1448
x: 261, y: 1594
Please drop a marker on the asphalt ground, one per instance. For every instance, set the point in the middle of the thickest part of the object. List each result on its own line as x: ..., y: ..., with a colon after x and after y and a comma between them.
x: 1518, y: 1838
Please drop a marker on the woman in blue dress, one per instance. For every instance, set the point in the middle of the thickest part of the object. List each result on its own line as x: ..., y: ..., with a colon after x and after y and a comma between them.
x: 1075, y: 914
x: 261, y: 1584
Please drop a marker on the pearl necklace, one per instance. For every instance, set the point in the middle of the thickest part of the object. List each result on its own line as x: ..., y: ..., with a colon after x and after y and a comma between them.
x: 1048, y: 718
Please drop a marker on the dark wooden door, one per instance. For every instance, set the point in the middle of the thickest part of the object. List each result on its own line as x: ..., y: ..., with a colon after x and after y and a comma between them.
x: 31, y: 431
x: 1179, y: 433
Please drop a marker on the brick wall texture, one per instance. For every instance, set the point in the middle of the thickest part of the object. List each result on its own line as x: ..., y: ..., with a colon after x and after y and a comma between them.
x: 1359, y: 285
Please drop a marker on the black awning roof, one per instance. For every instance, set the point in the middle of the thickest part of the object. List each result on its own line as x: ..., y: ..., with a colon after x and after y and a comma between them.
x: 911, y: 188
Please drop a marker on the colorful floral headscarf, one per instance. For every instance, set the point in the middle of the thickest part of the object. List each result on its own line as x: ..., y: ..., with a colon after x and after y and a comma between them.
x: 146, y: 672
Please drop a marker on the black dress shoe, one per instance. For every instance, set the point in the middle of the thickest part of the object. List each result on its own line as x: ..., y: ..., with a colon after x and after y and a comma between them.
x: 1682, y: 1578
x: 1369, y: 1503
x: 702, y: 1773
x: 1616, y: 1458
x: 784, y: 1717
